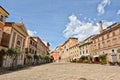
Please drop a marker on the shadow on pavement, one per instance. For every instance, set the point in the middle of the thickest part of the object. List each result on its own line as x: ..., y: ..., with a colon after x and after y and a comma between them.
x: 18, y: 68
x: 10, y: 70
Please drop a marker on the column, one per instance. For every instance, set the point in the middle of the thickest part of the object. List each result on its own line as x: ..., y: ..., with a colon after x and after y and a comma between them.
x: 11, y: 38
x: 15, y: 40
x: 22, y: 45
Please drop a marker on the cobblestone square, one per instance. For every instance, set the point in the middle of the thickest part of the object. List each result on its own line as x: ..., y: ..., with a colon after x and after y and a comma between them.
x: 65, y: 71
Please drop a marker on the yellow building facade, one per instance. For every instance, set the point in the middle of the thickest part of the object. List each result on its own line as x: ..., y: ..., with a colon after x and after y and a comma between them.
x: 42, y: 49
x: 74, y: 52
x: 66, y: 48
x: 3, y: 15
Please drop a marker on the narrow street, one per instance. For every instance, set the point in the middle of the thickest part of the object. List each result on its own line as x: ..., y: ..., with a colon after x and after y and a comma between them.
x: 65, y: 71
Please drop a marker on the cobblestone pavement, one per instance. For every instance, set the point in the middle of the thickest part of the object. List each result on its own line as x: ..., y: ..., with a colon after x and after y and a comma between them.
x: 65, y: 71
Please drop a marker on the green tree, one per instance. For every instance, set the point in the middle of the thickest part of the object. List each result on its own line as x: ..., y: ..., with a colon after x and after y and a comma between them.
x: 28, y: 57
x: 13, y: 51
x: 118, y: 50
x: 102, y: 59
x: 36, y: 57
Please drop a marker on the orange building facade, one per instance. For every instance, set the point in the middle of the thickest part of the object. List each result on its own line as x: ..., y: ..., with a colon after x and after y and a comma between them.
x: 3, y: 15
x: 55, y: 56
x: 108, y: 41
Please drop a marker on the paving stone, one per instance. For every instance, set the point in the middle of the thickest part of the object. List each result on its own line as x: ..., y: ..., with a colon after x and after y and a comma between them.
x: 65, y: 71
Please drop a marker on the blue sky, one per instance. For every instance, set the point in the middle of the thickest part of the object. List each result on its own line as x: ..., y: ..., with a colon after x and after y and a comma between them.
x: 56, y: 20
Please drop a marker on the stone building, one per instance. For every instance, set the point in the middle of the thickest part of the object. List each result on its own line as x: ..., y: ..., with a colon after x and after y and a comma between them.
x: 3, y: 15
x: 14, y: 36
x: 30, y: 49
x: 47, y: 45
x: 108, y: 41
x: 55, y: 55
x: 74, y: 52
x: 66, y: 48
x: 86, y: 48
x: 42, y: 49
x: 59, y: 50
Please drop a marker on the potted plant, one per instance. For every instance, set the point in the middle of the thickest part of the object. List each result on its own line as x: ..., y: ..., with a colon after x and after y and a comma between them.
x: 102, y: 59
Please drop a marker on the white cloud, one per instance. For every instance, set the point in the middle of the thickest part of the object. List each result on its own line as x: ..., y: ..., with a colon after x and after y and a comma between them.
x: 118, y: 12
x: 102, y: 5
x: 31, y: 33
x: 81, y: 29
x: 106, y: 24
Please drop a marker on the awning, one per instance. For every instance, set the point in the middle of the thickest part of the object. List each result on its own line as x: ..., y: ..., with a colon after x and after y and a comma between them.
x: 96, y: 56
x: 85, y: 55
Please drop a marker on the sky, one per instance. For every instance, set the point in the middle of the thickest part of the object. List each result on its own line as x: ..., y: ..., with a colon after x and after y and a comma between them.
x: 56, y: 20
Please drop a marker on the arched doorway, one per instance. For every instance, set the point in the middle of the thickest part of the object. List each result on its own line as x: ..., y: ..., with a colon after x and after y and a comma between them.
x: 2, y: 53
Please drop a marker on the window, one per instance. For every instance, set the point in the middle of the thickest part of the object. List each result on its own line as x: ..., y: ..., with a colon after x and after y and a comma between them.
x: 66, y: 49
x: 80, y: 48
x: 30, y: 50
x: 113, y: 50
x: 114, y: 39
x: 103, y: 42
x: 30, y: 42
x: 102, y: 37
x: 1, y: 33
x: 18, y: 42
x: 80, y: 52
x: 98, y: 45
x: 108, y: 41
x: 1, y: 18
x: 83, y: 52
x: 113, y: 33
x: 35, y: 52
x: 33, y: 44
x: 95, y: 45
x: 103, y: 52
x: 86, y: 51
x: 107, y: 35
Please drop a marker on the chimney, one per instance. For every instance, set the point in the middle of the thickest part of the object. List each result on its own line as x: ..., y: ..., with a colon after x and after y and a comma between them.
x: 100, y: 25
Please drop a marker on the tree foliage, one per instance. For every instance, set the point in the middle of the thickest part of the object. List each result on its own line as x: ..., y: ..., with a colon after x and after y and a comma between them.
x: 13, y: 51
x: 118, y: 50
x: 29, y: 57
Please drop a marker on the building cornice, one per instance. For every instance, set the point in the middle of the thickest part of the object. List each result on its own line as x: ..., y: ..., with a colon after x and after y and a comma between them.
x: 4, y: 10
x: 108, y: 30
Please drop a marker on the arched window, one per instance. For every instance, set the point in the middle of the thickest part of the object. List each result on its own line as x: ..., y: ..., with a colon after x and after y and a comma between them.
x: 18, y: 42
x: 113, y: 50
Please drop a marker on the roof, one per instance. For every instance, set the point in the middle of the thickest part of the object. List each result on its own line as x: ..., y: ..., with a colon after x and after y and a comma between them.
x: 32, y: 39
x: 39, y: 40
x: 75, y: 45
x: 17, y: 26
x: 91, y: 37
x: 69, y: 39
x: 4, y: 10
x: 108, y: 29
